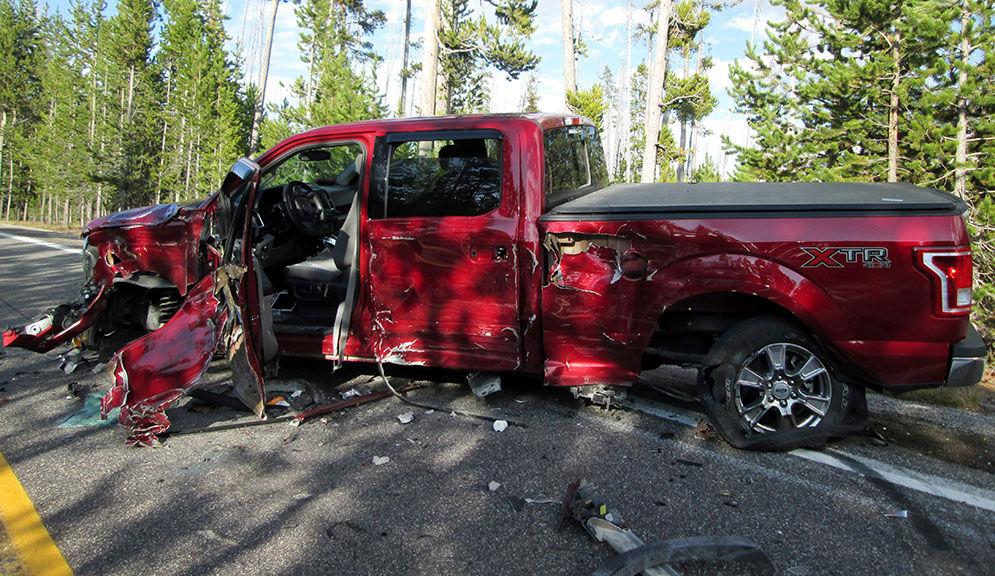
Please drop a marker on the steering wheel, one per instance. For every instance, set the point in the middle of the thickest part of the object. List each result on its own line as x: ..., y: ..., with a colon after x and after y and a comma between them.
x: 306, y: 208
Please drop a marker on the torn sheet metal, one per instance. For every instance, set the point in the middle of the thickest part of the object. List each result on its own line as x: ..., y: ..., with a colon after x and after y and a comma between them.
x: 592, y: 272
x: 154, y: 371
x: 161, y: 244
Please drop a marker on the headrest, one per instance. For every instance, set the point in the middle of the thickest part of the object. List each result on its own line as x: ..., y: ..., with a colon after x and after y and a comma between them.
x: 469, y: 148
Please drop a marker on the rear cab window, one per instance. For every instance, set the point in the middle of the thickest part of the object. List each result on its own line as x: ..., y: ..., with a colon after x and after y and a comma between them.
x: 455, y: 173
x: 575, y: 163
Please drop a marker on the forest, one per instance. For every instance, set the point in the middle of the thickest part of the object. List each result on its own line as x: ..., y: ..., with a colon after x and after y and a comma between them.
x: 104, y: 109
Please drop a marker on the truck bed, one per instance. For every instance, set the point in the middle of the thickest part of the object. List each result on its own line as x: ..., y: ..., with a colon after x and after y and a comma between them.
x: 781, y: 199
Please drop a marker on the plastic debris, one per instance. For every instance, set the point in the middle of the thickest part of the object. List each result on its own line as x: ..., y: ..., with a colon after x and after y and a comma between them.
x: 89, y: 414
x: 406, y: 418
x: 278, y: 401
x: 380, y: 460
x: 350, y: 393
x: 484, y: 383
x: 898, y: 514
x: 543, y: 501
x: 500, y: 425
x: 493, y: 486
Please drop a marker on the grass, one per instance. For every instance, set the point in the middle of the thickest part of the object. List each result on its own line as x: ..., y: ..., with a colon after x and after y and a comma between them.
x: 980, y: 398
x: 41, y: 226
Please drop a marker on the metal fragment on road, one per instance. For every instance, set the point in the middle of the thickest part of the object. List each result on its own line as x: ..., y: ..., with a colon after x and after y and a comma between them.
x: 484, y: 383
x: 493, y: 486
x: 897, y: 514
x: 500, y: 425
x: 380, y: 460
x: 406, y: 418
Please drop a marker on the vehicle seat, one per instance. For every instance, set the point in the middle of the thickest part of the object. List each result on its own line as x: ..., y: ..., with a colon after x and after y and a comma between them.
x: 317, y: 277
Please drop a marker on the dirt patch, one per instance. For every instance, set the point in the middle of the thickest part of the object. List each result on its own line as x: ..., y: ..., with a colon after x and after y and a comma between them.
x: 954, y: 446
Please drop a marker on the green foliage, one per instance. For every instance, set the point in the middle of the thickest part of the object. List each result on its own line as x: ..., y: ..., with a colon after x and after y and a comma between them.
x: 706, y: 172
x: 829, y: 81
x: 336, y: 88
x: 589, y: 103
x: 470, y: 46
x: 531, y: 100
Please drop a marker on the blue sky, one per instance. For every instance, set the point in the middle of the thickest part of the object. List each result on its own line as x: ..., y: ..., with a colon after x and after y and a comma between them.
x: 602, y: 24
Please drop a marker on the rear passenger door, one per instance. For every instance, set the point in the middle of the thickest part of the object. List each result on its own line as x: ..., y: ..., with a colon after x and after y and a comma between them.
x: 442, y: 288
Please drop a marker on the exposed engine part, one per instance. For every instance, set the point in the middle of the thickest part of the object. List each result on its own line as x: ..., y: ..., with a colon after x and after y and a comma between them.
x: 162, y: 305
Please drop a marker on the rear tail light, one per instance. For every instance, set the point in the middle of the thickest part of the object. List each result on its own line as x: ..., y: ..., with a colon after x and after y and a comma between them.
x: 949, y: 270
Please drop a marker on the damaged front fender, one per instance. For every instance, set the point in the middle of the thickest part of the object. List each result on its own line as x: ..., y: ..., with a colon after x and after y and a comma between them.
x: 154, y: 371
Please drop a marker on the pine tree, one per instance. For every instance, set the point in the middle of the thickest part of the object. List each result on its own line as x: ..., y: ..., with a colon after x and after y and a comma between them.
x: 20, y: 88
x: 470, y: 46
x: 335, y: 90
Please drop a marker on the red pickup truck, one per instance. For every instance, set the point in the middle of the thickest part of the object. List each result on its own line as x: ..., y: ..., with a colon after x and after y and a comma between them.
x: 496, y: 243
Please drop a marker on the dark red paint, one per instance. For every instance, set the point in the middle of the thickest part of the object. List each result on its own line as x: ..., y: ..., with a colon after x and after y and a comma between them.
x: 493, y: 292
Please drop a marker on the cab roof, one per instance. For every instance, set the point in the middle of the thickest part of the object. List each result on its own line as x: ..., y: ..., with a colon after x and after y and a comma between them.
x: 545, y: 121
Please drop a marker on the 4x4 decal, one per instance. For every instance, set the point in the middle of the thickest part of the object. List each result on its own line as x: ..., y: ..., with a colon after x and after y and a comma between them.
x: 838, y: 257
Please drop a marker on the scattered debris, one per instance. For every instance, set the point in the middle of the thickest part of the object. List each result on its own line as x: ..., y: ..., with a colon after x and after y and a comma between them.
x: 380, y: 460
x: 77, y: 390
x: 876, y: 438
x: 350, y: 393
x: 500, y: 425
x: 586, y: 505
x: 278, y: 401
x: 898, y: 514
x: 406, y: 418
x: 543, y: 501
x: 89, y: 414
x: 484, y: 383
x: 493, y: 486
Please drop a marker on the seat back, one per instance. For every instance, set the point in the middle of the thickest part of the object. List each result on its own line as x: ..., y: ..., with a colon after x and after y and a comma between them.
x: 344, y: 250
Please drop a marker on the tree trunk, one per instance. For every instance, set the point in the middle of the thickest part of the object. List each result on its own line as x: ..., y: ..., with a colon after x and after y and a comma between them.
x: 654, y: 91
x: 893, y: 110
x: 960, y: 156
x: 162, y: 148
x: 684, y: 149
x: 569, y: 51
x: 99, y: 202
x: 131, y: 89
x: 263, y: 76
x: 65, y: 214
x: 3, y: 134
x: 10, y: 186
x: 430, y: 59
x: 404, y: 61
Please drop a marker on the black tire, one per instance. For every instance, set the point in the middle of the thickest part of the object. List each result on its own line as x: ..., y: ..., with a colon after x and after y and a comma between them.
x: 768, y: 385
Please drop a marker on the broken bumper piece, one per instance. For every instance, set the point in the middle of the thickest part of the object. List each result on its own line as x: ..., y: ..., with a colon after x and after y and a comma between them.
x: 60, y: 324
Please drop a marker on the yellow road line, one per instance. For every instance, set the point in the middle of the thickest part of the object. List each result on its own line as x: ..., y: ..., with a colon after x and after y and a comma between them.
x: 37, y: 552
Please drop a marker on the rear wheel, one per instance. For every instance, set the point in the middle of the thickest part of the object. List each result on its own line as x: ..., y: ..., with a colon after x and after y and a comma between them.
x: 774, y: 383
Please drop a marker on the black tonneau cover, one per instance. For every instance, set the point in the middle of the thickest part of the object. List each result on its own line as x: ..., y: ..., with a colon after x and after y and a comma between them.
x: 732, y: 199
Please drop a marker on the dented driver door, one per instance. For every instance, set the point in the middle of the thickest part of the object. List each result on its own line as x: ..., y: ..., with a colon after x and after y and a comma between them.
x: 238, y: 284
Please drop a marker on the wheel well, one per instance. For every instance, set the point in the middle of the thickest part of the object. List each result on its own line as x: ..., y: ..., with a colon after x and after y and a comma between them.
x: 687, y: 329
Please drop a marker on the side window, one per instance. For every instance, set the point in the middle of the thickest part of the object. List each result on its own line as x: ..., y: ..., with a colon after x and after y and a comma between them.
x: 575, y: 163
x: 439, y: 176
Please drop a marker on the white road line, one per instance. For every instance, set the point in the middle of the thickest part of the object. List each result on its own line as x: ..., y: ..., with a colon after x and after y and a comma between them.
x: 44, y: 243
x: 919, y: 481
x: 862, y: 465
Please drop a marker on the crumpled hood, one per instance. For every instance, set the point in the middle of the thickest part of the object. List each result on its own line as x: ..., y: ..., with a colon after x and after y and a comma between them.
x: 146, y: 216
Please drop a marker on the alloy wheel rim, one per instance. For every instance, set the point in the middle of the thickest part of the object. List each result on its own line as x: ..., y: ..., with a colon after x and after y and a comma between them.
x: 780, y: 387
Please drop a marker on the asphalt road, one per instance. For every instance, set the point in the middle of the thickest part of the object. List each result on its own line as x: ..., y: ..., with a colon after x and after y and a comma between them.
x: 308, y: 500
